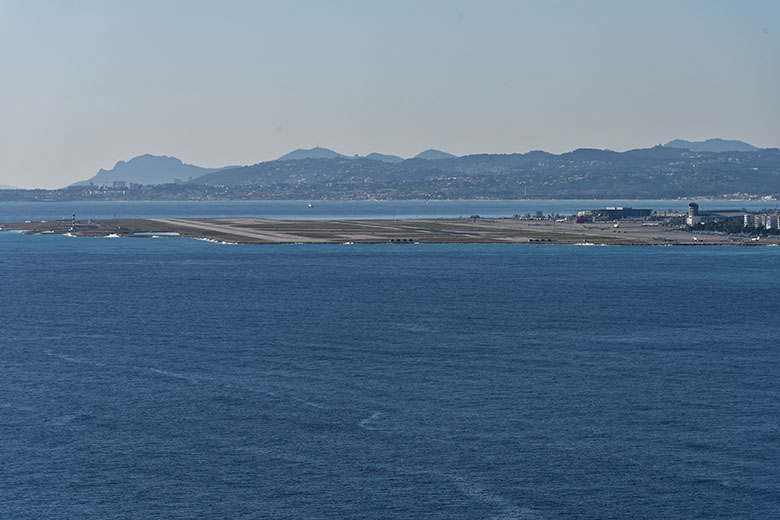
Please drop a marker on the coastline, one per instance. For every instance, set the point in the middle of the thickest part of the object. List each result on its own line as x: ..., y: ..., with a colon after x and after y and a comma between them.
x: 400, y: 231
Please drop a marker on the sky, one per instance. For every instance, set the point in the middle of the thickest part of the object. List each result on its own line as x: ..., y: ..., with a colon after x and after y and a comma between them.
x: 84, y: 84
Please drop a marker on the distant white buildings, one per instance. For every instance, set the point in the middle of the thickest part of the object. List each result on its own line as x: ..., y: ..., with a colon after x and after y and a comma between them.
x: 749, y: 219
x: 767, y: 221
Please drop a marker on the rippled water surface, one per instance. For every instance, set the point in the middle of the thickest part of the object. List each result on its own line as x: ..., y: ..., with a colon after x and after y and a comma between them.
x: 172, y: 378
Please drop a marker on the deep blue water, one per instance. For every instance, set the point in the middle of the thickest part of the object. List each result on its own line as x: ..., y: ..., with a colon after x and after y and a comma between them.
x: 284, y: 209
x: 173, y: 378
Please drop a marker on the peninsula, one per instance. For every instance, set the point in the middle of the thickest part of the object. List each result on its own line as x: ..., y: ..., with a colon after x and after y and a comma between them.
x: 407, y: 231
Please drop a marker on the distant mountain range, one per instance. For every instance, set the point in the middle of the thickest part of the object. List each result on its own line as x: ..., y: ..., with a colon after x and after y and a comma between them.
x: 677, y: 169
x: 650, y: 173
x: 161, y: 169
x: 324, y: 153
x: 5, y: 187
x: 149, y: 169
x: 712, y: 145
x: 643, y: 173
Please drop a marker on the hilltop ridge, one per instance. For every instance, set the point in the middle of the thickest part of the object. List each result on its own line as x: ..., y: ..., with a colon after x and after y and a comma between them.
x: 712, y: 145
x: 148, y: 169
x: 432, y: 155
x: 310, y: 153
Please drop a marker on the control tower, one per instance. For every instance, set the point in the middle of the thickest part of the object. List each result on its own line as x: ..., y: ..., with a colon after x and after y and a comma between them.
x: 693, y: 214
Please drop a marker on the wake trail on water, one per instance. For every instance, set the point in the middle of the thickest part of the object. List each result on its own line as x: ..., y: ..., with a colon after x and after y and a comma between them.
x: 192, y: 378
x: 276, y: 394
x: 74, y: 360
x: 365, y: 423
x: 471, y: 489
x: 235, y: 387
x: 175, y: 375
x: 298, y: 399
x: 474, y: 490
x: 466, y: 486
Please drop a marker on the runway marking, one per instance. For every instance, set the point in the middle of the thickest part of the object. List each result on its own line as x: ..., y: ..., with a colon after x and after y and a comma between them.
x: 227, y: 229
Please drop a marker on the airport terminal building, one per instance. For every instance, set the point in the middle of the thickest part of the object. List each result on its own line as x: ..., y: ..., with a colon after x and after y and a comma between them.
x: 749, y: 219
x: 615, y: 213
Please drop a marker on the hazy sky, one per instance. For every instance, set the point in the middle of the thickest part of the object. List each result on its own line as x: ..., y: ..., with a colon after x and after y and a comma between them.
x: 84, y: 84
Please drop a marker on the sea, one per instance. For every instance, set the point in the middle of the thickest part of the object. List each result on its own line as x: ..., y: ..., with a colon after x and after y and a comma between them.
x: 176, y: 378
